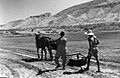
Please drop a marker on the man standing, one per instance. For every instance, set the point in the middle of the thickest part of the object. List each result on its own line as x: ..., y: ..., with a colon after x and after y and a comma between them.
x: 93, y: 51
x: 61, y: 50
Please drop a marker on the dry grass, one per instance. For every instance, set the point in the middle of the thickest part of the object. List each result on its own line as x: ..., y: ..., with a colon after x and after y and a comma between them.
x: 77, y: 42
x: 108, y: 52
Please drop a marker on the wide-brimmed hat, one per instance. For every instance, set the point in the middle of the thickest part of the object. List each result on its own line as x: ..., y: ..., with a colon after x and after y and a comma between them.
x: 89, y: 32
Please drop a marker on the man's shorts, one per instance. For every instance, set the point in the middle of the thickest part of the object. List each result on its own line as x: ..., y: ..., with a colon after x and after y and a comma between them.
x: 93, y: 53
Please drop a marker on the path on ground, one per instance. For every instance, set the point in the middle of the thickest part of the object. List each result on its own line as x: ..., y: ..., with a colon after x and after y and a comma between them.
x: 12, y: 65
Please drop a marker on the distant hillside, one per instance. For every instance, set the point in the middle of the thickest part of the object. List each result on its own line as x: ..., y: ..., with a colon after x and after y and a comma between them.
x: 41, y: 20
x: 11, y: 24
x: 96, y: 11
x: 36, y: 21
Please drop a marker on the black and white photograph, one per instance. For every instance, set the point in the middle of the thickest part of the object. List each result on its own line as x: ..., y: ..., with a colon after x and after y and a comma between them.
x: 59, y: 38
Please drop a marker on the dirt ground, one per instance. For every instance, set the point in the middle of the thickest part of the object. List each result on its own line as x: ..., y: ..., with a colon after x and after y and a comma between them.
x: 13, y: 65
x: 18, y: 58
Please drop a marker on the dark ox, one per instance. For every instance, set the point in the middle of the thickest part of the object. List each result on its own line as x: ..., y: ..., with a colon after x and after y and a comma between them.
x: 77, y: 62
x: 43, y: 42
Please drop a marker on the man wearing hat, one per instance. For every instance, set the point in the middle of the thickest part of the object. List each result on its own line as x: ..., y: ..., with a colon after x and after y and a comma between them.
x: 93, y: 51
x: 61, y: 50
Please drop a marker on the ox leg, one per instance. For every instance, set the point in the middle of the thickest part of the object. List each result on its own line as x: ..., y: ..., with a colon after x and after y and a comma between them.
x: 41, y: 54
x: 38, y: 53
x: 45, y: 54
x: 50, y: 52
x: 51, y: 55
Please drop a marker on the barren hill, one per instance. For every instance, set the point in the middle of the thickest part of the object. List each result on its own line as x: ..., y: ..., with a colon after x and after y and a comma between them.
x: 96, y: 11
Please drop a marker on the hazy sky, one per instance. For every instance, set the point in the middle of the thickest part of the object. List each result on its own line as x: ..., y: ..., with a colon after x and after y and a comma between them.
x: 20, y: 9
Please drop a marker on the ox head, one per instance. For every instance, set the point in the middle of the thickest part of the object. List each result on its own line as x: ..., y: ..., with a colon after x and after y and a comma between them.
x: 37, y: 35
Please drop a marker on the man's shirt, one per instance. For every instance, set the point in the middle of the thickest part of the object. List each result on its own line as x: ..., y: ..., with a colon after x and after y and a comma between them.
x: 91, y: 43
x: 62, y: 44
